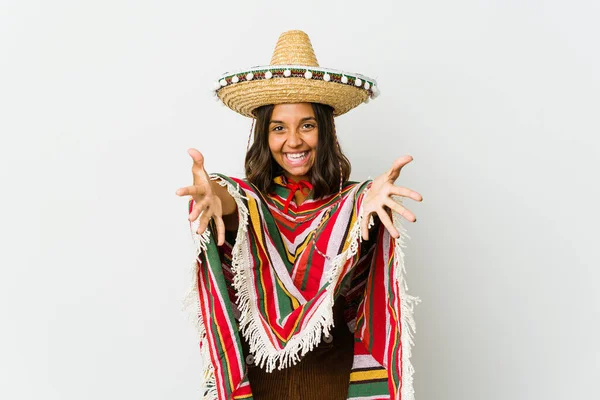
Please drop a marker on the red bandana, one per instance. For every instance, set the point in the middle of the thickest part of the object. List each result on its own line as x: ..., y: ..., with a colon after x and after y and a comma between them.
x: 294, y: 186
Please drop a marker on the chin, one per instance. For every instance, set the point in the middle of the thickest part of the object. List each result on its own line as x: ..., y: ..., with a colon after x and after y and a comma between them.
x: 301, y: 173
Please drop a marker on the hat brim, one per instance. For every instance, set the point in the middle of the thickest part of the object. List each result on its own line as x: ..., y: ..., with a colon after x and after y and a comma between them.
x: 245, y: 97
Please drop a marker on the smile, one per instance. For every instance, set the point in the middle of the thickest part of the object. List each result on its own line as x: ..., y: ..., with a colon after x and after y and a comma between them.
x: 296, y: 158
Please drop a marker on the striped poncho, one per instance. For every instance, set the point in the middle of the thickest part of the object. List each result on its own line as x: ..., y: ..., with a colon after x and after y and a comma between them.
x: 269, y: 284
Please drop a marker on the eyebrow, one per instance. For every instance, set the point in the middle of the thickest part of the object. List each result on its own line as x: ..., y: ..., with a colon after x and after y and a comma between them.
x: 302, y: 120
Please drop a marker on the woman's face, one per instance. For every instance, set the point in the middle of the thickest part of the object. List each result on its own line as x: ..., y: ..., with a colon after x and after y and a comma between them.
x: 293, y: 138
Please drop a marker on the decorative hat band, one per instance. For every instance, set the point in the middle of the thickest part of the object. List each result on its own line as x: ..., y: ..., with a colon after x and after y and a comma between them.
x: 298, y: 71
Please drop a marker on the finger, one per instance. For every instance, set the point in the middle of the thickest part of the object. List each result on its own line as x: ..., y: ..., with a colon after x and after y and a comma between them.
x: 400, y: 209
x: 194, y: 191
x: 394, y: 172
x: 405, y: 192
x: 198, y: 208
x: 197, y: 157
x: 364, y: 227
x: 220, y: 230
x: 198, y: 171
x: 387, y: 222
x: 204, y: 221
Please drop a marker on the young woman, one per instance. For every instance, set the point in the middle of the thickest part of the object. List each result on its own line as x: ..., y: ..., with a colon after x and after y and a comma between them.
x: 302, y: 295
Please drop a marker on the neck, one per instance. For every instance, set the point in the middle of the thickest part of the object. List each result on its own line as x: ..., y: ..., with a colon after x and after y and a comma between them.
x: 297, y: 178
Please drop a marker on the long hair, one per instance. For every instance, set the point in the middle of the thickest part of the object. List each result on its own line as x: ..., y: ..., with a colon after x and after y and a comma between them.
x: 330, y: 161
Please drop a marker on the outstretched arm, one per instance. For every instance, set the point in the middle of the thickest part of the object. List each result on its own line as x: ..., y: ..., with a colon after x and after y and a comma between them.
x: 211, y: 200
x: 378, y: 200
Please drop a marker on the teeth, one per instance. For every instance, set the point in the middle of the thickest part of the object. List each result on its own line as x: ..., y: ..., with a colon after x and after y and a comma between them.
x: 296, y: 156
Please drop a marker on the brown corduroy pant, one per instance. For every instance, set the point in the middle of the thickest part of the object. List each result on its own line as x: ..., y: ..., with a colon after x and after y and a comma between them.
x: 322, y: 374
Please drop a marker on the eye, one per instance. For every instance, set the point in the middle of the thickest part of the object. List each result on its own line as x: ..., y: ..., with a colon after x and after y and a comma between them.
x: 308, y: 126
x: 277, y: 128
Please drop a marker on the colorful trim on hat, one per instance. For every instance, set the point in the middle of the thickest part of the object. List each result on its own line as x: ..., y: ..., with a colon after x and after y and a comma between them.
x: 298, y: 71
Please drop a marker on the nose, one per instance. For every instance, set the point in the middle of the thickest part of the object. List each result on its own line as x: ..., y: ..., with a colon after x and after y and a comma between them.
x: 294, y: 139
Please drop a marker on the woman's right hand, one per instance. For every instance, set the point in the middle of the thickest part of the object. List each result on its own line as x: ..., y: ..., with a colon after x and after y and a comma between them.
x: 207, y: 204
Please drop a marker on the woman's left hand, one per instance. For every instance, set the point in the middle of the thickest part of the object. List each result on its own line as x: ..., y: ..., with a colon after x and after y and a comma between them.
x: 378, y: 199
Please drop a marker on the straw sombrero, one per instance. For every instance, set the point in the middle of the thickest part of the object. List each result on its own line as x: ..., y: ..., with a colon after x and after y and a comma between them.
x: 294, y: 76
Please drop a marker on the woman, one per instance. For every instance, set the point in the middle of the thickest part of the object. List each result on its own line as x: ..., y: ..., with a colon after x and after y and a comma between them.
x: 302, y: 295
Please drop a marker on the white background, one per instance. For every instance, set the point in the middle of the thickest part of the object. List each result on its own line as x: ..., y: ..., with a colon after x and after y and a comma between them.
x: 497, y: 101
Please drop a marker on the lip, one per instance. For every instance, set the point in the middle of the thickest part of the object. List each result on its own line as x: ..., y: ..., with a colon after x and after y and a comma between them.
x: 296, y: 163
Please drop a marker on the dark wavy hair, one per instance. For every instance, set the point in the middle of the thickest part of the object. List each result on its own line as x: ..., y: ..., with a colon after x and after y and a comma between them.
x: 261, y: 167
